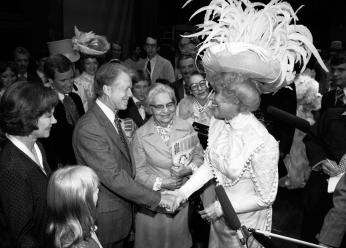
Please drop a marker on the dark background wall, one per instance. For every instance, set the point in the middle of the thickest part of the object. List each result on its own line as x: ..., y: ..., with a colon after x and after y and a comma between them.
x: 33, y: 23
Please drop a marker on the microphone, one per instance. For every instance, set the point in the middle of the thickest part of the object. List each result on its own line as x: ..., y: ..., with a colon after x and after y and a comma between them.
x: 229, y: 213
x: 288, y: 118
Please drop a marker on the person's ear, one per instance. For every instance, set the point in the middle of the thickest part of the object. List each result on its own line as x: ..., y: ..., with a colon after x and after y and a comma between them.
x: 106, y: 90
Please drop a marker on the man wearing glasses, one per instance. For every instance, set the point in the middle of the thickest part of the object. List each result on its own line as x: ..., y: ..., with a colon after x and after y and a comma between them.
x: 157, y: 67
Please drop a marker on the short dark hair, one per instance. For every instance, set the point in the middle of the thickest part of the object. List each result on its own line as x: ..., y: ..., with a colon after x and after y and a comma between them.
x: 153, y: 36
x: 57, y: 62
x: 339, y: 58
x: 184, y: 57
x: 81, y: 62
x: 106, y: 74
x: 4, y: 65
x: 22, y: 104
x: 21, y: 50
x: 139, y: 75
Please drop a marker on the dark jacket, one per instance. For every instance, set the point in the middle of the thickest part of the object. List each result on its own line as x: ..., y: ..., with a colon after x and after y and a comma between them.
x: 58, y: 145
x: 23, y: 207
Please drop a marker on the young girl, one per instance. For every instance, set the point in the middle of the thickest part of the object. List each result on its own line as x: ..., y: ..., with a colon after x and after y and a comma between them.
x: 72, y: 197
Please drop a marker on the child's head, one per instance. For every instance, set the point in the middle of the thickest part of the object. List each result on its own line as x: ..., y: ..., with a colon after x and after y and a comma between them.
x: 71, y: 197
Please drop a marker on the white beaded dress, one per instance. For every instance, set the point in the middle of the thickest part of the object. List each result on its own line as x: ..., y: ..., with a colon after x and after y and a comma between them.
x: 244, y: 157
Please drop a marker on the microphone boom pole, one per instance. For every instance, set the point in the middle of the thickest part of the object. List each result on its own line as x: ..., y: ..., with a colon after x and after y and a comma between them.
x: 269, y: 234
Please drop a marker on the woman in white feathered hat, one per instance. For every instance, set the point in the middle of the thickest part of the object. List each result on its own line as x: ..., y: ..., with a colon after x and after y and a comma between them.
x: 248, y: 49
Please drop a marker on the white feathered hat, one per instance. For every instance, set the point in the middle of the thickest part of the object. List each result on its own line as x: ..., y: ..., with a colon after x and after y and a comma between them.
x: 256, y: 39
x: 90, y: 43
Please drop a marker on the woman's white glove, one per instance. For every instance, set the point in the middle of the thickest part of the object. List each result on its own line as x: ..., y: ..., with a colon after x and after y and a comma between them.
x: 212, y: 212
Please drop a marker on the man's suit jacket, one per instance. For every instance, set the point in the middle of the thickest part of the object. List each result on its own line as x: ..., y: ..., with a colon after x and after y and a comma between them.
x: 133, y: 113
x: 178, y: 87
x: 23, y: 207
x: 98, y: 145
x: 328, y: 101
x: 58, y: 145
x: 334, y: 226
x: 327, y: 137
x: 163, y: 69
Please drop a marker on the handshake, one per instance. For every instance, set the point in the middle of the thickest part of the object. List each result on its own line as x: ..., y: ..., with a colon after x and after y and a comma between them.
x: 172, y: 200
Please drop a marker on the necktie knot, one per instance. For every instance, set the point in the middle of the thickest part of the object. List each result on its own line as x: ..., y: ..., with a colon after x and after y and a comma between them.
x: 140, y: 104
x: 339, y: 96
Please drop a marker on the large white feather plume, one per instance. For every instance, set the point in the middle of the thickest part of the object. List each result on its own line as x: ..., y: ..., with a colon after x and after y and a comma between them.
x: 269, y: 30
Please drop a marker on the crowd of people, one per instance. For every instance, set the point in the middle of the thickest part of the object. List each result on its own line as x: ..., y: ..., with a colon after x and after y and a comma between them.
x: 100, y: 152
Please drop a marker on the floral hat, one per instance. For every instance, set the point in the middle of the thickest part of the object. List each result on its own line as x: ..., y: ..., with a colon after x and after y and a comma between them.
x: 259, y: 40
x: 90, y: 43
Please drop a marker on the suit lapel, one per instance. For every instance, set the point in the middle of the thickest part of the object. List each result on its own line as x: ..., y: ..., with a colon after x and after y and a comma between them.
x: 134, y: 113
x: 33, y: 163
x: 157, y: 68
x: 110, y: 129
x: 153, y: 137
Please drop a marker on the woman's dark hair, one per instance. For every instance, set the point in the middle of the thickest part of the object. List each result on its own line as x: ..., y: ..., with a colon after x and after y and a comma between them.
x: 57, y: 62
x: 7, y: 65
x: 22, y: 104
x: 80, y: 63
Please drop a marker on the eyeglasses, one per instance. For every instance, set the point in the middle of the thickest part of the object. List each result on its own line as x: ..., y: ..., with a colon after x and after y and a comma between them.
x: 160, y: 107
x: 203, y: 84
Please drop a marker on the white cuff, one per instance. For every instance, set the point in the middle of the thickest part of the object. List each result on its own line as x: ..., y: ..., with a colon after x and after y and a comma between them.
x: 157, y: 184
x: 193, y: 167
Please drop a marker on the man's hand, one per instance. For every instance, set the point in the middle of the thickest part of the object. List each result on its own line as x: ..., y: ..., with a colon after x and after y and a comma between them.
x: 330, y: 167
x: 212, y: 212
x: 167, y: 201
x: 129, y: 126
x: 172, y: 183
x: 180, y: 171
x: 171, y: 200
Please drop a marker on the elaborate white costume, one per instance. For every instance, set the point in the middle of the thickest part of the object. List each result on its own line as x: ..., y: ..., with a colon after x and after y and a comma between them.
x: 243, y: 156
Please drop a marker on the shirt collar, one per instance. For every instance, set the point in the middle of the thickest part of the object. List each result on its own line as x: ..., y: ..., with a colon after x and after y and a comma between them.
x: 106, y: 110
x: 135, y: 99
x: 21, y: 146
x: 60, y: 95
x: 153, y: 60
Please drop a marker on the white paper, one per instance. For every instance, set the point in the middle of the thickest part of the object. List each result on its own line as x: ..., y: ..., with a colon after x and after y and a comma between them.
x: 333, y: 181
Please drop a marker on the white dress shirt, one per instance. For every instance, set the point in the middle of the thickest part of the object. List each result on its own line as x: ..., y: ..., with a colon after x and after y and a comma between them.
x: 108, y: 112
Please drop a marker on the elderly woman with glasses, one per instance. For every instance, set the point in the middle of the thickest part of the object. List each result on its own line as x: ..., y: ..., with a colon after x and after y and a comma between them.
x: 166, y: 150
x: 196, y: 107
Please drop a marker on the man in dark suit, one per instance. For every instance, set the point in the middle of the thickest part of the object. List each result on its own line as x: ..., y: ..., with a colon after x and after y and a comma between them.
x: 156, y: 66
x: 21, y: 57
x: 325, y: 146
x: 99, y: 142
x: 136, y: 105
x: 186, y: 64
x: 336, y: 97
x: 334, y: 225
x: 58, y: 146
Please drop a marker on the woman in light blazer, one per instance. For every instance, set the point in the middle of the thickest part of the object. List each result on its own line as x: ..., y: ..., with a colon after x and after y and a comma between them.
x: 160, y: 166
